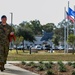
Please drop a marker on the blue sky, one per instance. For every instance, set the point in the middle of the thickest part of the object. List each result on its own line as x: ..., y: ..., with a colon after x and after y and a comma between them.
x: 44, y: 10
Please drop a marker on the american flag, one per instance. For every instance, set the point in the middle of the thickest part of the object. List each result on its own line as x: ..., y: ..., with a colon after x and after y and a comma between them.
x: 70, y: 17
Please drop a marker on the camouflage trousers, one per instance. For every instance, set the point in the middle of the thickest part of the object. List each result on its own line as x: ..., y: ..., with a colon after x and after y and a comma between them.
x: 4, y: 49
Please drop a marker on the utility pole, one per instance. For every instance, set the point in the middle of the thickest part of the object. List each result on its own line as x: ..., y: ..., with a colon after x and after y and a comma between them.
x: 11, y: 26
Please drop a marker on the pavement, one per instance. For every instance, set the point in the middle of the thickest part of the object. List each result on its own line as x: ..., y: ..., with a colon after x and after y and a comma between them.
x: 14, y: 70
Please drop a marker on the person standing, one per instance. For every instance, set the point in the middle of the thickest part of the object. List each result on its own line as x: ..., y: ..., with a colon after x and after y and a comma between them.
x: 5, y: 32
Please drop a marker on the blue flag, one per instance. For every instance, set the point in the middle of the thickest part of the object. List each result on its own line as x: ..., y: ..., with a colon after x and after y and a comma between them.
x: 71, y: 12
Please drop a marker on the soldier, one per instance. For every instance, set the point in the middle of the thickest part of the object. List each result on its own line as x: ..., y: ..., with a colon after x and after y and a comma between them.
x: 5, y: 32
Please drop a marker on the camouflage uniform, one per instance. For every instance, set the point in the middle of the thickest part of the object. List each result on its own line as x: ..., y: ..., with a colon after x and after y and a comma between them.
x: 4, y: 42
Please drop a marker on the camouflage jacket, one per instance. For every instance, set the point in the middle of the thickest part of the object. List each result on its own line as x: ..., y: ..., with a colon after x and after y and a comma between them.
x: 4, y: 33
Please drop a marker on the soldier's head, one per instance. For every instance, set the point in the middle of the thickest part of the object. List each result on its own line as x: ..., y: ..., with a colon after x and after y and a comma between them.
x: 3, y: 19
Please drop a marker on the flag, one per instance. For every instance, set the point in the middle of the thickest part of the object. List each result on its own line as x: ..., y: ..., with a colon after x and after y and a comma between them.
x: 71, y: 12
x: 69, y: 17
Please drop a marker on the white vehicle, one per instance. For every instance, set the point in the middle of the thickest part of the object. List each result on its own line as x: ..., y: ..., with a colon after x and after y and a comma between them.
x: 70, y: 48
x: 38, y: 47
x: 60, y: 48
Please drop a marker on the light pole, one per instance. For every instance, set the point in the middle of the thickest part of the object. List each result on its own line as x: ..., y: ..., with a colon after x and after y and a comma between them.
x: 11, y: 18
x: 64, y: 38
x: 11, y: 26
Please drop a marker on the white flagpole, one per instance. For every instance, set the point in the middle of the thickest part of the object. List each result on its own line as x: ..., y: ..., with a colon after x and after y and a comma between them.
x: 67, y: 28
x: 74, y: 20
x: 65, y: 31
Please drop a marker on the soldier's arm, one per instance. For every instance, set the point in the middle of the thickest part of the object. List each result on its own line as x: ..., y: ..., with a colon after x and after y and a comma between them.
x: 11, y: 30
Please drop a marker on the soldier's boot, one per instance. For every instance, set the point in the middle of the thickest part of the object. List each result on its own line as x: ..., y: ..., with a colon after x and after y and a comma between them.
x: 2, y: 66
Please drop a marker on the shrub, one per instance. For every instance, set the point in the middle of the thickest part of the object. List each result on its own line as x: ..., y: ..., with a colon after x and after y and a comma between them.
x: 23, y: 63
x: 73, y: 73
x: 73, y: 65
x: 50, y: 62
x: 41, y: 68
x: 62, y: 69
x: 30, y: 63
x: 34, y: 65
x: 60, y: 63
x: 49, y: 72
x: 48, y: 65
x: 40, y: 62
x: 69, y: 63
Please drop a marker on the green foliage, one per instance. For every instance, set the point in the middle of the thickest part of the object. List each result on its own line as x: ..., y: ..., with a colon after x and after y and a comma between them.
x: 41, y: 67
x: 69, y: 63
x: 26, y: 32
x: 30, y: 64
x: 40, y: 62
x: 60, y: 63
x: 34, y: 65
x: 73, y: 73
x: 73, y: 65
x: 48, y: 65
x: 18, y: 40
x: 50, y: 62
x: 58, y: 35
x: 55, y: 40
x: 48, y: 27
x: 49, y: 72
x: 62, y: 69
x: 36, y: 27
x: 23, y: 63
x: 71, y: 39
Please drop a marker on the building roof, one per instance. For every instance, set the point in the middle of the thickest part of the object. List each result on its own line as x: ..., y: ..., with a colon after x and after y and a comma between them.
x: 47, y: 36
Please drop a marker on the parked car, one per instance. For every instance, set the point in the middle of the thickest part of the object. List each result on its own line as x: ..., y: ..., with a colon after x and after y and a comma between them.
x: 47, y: 47
x: 20, y: 47
x: 60, y: 47
x: 70, y: 48
x: 38, y: 47
x: 11, y: 48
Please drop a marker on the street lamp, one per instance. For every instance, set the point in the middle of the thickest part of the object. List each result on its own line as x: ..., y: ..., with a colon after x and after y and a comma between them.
x: 11, y: 18
x: 11, y: 26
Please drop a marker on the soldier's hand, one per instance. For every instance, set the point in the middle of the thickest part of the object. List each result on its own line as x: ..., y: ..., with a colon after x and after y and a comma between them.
x: 12, y: 33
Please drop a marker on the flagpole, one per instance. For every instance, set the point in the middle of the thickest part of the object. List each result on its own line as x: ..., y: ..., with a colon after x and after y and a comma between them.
x: 67, y: 27
x: 65, y: 30
x: 74, y: 21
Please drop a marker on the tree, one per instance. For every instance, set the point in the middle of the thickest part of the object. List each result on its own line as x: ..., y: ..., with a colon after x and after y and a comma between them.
x: 36, y: 27
x: 17, y: 42
x: 27, y: 34
x: 48, y: 27
x: 55, y: 40
x: 71, y: 41
x: 24, y: 30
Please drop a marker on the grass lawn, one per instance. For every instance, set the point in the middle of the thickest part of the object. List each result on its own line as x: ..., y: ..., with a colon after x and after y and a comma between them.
x: 40, y: 56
